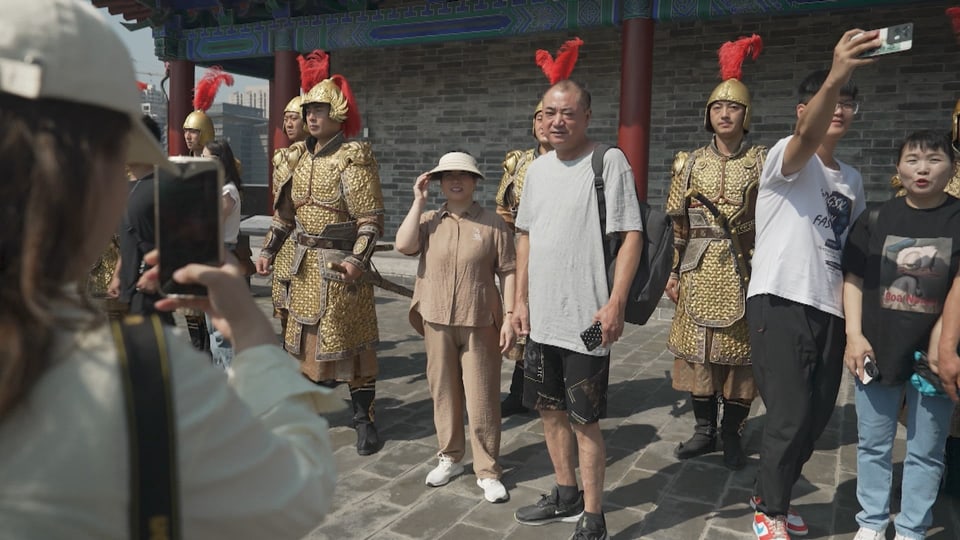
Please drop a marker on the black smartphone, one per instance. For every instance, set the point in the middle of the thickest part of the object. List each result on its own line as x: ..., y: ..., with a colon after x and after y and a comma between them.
x: 187, y: 219
x: 592, y: 337
x: 897, y: 38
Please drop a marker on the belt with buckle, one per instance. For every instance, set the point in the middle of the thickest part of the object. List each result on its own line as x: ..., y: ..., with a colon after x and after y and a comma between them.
x: 317, y: 242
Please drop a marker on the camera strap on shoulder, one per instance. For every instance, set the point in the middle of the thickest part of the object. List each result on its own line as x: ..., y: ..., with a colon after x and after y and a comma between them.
x: 151, y: 428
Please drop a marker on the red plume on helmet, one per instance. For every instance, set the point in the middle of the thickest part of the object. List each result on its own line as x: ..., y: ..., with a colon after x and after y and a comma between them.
x: 314, y: 68
x: 351, y: 126
x: 733, y: 53
x: 559, y: 68
x: 141, y: 86
x: 954, y: 15
x: 207, y: 88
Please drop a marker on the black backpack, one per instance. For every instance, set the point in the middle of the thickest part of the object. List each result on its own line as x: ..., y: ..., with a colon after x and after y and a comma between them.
x: 656, y: 259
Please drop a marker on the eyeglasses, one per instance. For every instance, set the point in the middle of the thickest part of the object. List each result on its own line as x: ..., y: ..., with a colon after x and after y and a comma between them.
x: 852, y: 107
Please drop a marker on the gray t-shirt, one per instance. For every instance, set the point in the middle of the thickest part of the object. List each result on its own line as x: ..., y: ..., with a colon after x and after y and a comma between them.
x: 567, y: 276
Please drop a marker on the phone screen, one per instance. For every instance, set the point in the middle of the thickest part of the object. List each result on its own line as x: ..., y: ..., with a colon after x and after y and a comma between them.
x: 188, y: 220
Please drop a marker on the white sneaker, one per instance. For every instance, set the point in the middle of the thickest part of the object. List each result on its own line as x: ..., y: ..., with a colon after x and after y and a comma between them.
x: 447, y: 470
x: 869, y: 534
x: 493, y: 490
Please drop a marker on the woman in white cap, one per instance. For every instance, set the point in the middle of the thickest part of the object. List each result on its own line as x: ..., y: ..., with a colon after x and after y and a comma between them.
x: 243, y: 458
x: 464, y: 320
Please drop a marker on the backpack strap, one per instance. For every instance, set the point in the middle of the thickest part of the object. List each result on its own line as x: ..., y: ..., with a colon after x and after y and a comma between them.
x: 145, y: 372
x: 599, y: 151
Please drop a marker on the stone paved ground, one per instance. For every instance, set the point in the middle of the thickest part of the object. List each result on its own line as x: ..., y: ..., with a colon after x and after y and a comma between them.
x: 649, y: 494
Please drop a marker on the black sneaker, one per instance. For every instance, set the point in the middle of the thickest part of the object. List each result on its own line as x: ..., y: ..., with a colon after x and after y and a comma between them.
x: 549, y: 509
x: 588, y: 529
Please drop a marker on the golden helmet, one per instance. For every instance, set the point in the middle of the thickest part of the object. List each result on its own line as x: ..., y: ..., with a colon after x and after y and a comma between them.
x: 327, y: 92
x: 956, y: 127
x: 201, y: 122
x: 729, y: 90
x: 293, y: 106
x: 536, y: 111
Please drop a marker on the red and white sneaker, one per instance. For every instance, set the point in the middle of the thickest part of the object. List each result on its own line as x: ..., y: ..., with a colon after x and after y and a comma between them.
x: 770, y: 528
x: 795, y: 524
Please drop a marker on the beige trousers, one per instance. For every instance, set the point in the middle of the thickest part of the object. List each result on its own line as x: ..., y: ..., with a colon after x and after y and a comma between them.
x: 463, y: 368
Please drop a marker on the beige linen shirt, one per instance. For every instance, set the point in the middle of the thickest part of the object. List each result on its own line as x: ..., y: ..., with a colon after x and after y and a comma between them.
x: 459, y: 260
x: 254, y: 457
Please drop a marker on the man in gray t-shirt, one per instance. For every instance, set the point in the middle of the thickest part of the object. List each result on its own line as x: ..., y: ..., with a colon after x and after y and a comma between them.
x: 561, y: 291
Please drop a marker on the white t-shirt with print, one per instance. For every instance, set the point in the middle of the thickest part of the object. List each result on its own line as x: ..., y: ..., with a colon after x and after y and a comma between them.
x: 802, y: 223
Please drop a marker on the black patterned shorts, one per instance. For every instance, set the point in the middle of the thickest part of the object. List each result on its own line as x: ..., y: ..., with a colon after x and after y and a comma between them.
x: 557, y: 379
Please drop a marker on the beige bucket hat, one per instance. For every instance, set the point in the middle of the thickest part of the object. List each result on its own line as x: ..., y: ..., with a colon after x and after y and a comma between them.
x: 457, y: 161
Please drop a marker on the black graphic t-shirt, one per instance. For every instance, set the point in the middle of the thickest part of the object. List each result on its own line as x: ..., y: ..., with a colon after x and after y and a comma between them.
x: 907, y: 262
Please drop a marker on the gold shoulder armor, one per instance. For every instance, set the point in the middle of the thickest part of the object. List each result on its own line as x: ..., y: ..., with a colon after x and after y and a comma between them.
x: 279, y: 157
x: 357, y: 153
x: 511, y: 161
x: 679, y: 162
x: 294, y: 151
x: 678, y: 185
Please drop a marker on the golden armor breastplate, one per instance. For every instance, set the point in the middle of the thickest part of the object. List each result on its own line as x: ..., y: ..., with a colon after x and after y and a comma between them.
x: 707, y: 270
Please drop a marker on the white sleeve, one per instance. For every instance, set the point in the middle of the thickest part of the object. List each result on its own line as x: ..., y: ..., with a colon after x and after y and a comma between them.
x: 255, y: 457
x: 230, y: 190
x: 773, y: 166
x: 620, y: 192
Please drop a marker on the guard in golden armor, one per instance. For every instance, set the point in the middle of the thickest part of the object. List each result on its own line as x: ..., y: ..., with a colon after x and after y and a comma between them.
x: 197, y: 132
x: 331, y: 206
x: 711, y: 201
x: 313, y: 69
x: 511, y: 186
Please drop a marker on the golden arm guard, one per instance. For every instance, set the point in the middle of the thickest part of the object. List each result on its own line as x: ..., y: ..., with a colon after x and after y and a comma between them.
x: 364, y: 200
x: 276, y: 236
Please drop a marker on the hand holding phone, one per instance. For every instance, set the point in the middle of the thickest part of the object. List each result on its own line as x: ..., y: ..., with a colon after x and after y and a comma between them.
x: 870, y: 370
x: 592, y: 337
x: 897, y: 38
x: 188, y: 223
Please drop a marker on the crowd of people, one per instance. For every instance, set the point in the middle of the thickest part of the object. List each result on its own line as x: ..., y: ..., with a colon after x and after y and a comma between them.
x: 781, y: 277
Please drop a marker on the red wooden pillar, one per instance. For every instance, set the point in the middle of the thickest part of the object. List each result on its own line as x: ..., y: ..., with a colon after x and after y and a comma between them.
x: 636, y: 86
x: 180, y: 105
x: 284, y: 86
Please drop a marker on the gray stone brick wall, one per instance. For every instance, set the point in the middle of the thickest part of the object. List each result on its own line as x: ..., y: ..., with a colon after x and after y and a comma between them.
x: 421, y: 101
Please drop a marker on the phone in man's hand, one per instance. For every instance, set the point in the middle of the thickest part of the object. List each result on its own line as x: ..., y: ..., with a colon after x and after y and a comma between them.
x: 897, y: 38
x: 592, y: 337
x: 187, y: 207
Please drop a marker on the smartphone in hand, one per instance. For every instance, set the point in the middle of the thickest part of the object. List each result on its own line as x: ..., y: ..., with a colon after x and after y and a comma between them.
x: 870, y: 370
x: 592, y: 337
x: 897, y: 38
x: 187, y: 220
